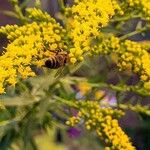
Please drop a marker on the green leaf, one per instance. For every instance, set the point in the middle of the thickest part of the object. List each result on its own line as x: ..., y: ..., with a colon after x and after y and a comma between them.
x: 10, y: 13
x: 19, y: 100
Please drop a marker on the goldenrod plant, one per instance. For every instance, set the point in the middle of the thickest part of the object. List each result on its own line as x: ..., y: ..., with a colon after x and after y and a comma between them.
x: 92, y: 35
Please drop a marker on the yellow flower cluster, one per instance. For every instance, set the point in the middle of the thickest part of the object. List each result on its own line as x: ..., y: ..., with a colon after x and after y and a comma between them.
x: 29, y: 45
x: 134, y: 57
x: 8, y: 28
x: 145, y: 45
x: 129, y: 55
x: 139, y: 8
x: 145, y: 60
x: 85, y: 18
x: 143, y: 6
x: 102, y: 121
x: 106, y: 45
x: 117, y: 7
x: 38, y: 15
x: 114, y: 135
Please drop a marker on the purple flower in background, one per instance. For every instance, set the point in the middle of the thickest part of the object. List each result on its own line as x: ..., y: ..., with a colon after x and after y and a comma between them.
x: 73, y: 132
x: 112, y: 101
x: 109, y: 99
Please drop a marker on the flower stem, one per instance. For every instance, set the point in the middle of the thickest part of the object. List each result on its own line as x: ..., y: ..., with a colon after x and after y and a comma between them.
x: 133, y: 33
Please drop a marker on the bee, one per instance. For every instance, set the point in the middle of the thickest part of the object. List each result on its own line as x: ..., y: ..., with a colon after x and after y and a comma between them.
x: 59, y: 59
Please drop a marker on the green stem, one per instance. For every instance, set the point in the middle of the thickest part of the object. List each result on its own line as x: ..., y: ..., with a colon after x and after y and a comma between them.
x: 121, y: 88
x: 118, y: 88
x: 24, y: 4
x: 20, y: 14
x: 61, y: 5
x: 64, y: 101
x: 119, y: 19
x: 137, y: 108
x: 18, y: 11
x: 133, y: 33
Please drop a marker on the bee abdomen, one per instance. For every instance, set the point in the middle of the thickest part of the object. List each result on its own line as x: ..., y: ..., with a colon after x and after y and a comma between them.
x: 58, y: 60
x: 51, y: 63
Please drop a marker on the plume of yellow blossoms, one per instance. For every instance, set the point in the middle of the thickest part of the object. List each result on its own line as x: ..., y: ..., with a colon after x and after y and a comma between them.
x: 29, y: 45
x: 133, y: 8
x: 135, y: 58
x: 130, y: 56
x: 143, y: 7
x: 103, y: 121
x: 85, y: 18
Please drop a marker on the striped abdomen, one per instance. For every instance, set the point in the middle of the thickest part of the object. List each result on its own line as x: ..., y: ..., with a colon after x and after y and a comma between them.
x: 56, y: 61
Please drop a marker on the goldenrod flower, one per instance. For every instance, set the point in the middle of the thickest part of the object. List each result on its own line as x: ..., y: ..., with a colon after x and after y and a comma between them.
x: 140, y: 8
x: 102, y: 121
x: 30, y: 44
x: 85, y: 19
x: 131, y: 56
